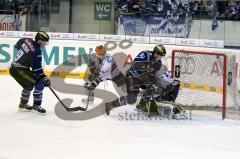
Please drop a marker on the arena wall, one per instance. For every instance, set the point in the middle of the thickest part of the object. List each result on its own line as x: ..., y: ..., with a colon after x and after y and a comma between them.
x: 68, y: 50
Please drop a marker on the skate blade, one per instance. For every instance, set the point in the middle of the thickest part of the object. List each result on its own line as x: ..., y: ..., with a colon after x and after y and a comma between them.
x: 23, y: 110
x: 180, y: 117
x: 36, y: 112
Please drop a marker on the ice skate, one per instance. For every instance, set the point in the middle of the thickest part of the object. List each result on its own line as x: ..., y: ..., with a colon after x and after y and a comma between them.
x: 178, y: 109
x: 38, y: 109
x: 108, y: 108
x: 24, y: 107
x: 179, y: 113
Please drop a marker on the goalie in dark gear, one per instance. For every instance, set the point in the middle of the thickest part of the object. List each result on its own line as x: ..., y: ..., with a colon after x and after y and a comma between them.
x: 169, y: 89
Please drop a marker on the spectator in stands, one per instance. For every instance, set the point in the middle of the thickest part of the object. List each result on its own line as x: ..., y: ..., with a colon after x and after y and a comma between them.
x: 221, y: 7
x: 8, y: 6
x: 232, y: 11
x: 211, y: 8
x: 162, y: 7
x: 15, y: 6
x: 172, y: 14
x: 194, y: 7
x: 24, y: 6
x: 180, y: 11
x: 151, y: 6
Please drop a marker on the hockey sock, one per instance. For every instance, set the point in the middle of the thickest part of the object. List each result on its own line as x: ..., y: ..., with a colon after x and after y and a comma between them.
x: 37, y: 96
x: 25, y: 96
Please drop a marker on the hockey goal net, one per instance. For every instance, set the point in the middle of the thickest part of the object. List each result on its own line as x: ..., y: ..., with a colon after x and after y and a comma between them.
x: 208, y: 81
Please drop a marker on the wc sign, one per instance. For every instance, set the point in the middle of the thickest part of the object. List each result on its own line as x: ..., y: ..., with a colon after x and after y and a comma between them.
x: 102, y: 11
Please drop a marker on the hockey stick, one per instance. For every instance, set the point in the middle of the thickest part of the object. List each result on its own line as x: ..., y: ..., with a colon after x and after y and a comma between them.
x: 81, y: 108
x: 67, y: 108
x: 88, y: 100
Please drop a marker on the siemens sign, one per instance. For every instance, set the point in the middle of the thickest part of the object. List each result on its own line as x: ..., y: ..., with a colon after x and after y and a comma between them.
x: 56, y: 55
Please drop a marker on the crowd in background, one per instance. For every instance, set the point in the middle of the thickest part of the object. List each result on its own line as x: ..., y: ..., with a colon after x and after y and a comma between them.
x: 15, y: 6
x: 176, y: 11
x: 22, y: 6
x: 212, y: 9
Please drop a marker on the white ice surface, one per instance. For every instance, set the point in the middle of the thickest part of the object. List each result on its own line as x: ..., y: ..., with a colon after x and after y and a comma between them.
x: 31, y: 136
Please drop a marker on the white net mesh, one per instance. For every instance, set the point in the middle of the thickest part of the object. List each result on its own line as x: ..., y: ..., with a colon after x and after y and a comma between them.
x: 202, y: 80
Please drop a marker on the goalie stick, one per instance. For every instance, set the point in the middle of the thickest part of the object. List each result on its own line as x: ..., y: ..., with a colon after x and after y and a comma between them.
x: 65, y: 107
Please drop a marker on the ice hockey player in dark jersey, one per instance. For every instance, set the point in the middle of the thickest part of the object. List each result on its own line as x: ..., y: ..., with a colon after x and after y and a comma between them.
x: 141, y: 75
x: 26, y: 69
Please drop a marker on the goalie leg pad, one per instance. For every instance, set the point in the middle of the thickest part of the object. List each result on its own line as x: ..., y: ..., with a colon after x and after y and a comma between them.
x: 141, y: 105
x: 165, y: 109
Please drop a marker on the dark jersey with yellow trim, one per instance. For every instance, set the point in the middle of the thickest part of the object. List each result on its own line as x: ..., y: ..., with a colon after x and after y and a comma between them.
x: 29, y: 55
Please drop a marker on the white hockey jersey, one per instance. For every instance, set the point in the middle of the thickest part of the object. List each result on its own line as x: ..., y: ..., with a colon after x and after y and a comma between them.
x: 163, y: 77
x: 104, y: 65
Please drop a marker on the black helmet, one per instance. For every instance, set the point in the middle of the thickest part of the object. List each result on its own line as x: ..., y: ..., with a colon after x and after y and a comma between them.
x: 160, y: 50
x: 42, y: 35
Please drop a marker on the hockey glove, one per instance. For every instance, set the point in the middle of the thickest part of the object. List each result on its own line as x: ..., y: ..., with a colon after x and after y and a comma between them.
x: 90, y: 86
x: 46, y: 81
x: 93, y: 84
x: 94, y: 70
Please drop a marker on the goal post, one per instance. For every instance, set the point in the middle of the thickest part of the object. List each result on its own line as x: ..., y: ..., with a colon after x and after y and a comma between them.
x: 208, y: 81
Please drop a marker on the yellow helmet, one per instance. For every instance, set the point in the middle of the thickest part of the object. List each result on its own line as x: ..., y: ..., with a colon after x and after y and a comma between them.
x: 160, y: 50
x: 42, y: 35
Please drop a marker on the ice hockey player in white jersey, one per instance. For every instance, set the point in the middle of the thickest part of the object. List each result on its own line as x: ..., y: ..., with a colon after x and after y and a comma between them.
x: 102, y: 67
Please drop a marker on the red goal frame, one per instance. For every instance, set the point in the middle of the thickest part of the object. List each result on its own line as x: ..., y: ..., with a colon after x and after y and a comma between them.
x: 224, y: 84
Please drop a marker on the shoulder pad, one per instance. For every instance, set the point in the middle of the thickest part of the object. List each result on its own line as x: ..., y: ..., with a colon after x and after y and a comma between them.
x: 30, y: 44
x: 142, y: 56
x: 108, y: 56
x: 108, y: 59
